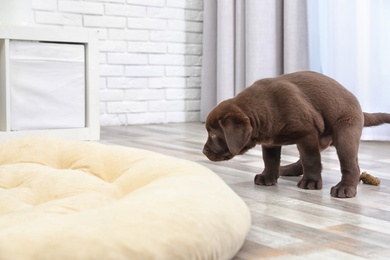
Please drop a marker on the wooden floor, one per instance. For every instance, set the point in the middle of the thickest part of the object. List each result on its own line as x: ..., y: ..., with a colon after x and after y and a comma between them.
x: 287, y: 222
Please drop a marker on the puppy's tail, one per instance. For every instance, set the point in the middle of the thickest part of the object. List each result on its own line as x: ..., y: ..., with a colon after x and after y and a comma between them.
x: 374, y: 119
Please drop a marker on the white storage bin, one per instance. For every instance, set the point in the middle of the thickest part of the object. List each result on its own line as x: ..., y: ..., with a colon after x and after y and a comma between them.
x: 47, y: 85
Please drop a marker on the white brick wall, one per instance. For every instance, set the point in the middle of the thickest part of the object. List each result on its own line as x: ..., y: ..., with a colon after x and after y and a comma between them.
x: 150, y: 55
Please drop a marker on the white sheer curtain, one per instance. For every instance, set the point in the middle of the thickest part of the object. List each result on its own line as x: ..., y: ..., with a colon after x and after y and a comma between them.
x: 245, y: 40
x: 350, y: 42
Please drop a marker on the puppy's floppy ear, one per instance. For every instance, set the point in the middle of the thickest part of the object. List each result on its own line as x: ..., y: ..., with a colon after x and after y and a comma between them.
x: 237, y: 130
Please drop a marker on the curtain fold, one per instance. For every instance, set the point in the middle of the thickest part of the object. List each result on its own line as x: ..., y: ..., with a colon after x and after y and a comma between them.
x: 209, y: 59
x: 246, y: 40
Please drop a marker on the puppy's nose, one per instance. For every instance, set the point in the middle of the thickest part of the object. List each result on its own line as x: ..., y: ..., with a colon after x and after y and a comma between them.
x: 204, y: 151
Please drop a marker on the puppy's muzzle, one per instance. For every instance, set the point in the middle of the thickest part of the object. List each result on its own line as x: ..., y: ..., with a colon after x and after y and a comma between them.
x: 206, y: 151
x: 214, y: 156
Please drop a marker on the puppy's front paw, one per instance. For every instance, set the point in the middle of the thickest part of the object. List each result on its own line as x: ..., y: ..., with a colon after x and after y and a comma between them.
x: 310, y: 184
x: 263, y: 179
x: 343, y: 191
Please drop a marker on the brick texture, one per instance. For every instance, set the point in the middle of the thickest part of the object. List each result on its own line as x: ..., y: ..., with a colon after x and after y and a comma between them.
x: 150, y: 55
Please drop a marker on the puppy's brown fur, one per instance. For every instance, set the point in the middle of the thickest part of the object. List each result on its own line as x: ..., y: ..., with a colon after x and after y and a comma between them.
x: 308, y: 109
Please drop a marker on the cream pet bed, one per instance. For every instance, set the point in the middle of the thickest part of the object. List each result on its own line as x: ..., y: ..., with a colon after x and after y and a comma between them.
x: 80, y: 200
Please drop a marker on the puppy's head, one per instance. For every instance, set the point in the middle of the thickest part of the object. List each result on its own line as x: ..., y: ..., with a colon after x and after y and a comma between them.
x: 229, y: 132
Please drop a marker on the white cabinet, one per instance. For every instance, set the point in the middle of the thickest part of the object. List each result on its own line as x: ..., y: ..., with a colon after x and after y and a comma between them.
x: 49, y: 83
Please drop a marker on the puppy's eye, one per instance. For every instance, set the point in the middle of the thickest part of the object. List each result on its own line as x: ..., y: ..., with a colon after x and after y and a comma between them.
x: 212, y: 135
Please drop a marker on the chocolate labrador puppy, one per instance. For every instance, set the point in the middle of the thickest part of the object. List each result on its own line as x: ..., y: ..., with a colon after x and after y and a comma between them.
x: 308, y: 109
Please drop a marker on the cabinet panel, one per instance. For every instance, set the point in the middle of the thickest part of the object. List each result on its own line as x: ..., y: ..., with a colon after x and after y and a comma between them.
x: 4, y: 93
x: 49, y: 82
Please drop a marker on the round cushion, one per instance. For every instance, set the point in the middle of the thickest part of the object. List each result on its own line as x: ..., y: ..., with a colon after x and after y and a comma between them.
x: 81, y: 200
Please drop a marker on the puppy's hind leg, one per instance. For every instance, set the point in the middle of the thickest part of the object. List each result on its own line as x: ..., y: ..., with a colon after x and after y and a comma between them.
x: 271, y: 158
x: 347, y: 142
x: 294, y: 169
